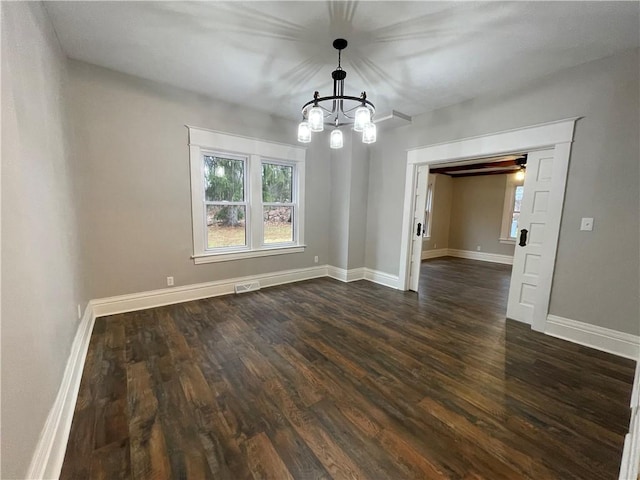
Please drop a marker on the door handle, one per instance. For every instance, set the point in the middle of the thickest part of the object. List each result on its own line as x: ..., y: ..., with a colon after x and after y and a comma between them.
x: 419, y: 230
x: 523, y: 237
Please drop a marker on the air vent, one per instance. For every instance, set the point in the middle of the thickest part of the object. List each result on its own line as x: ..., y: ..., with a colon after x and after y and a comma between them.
x: 247, y: 287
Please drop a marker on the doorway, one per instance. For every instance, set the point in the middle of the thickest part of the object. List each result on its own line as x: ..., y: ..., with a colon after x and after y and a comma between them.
x: 549, y: 148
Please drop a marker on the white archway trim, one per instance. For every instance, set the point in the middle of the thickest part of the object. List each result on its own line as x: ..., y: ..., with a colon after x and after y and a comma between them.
x: 557, y: 135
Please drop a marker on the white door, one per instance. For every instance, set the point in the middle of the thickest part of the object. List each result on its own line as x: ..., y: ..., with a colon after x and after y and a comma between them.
x: 419, y: 203
x: 534, y: 215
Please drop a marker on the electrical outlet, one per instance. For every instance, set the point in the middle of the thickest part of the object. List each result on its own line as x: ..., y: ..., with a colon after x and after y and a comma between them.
x: 169, y: 281
x: 79, y: 311
x: 315, y: 259
x: 586, y: 224
x: 478, y: 248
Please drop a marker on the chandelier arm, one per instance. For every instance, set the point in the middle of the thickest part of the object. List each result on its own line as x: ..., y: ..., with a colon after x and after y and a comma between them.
x: 339, y: 97
x: 351, y: 110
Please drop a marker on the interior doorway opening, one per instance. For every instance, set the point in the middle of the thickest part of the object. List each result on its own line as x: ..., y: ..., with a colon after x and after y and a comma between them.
x: 481, y: 210
x: 548, y: 148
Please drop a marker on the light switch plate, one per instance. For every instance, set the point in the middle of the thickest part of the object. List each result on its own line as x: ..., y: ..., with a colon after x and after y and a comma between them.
x: 586, y: 224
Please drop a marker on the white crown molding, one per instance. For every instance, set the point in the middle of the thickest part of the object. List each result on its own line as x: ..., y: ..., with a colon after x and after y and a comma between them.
x: 52, y: 444
x: 600, y: 338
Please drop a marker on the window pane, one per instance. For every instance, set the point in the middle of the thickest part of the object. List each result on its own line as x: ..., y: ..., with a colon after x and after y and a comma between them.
x: 278, y: 224
x: 276, y: 183
x: 226, y: 226
x: 514, y: 225
x: 223, y: 179
x: 518, y: 198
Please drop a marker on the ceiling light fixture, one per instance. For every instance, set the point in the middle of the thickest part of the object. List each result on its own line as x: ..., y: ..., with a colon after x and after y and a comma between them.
x: 520, y: 174
x: 338, y: 110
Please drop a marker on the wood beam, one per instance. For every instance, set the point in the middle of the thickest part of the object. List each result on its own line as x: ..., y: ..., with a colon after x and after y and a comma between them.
x: 475, y: 166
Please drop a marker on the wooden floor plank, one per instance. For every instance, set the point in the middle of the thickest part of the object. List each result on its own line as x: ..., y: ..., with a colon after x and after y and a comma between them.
x: 322, y: 380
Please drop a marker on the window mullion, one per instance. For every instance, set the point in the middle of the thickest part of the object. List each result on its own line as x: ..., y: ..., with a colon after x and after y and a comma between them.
x: 278, y: 204
x: 255, y: 201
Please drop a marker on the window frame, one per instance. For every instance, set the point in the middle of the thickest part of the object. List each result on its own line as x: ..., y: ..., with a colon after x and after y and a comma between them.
x: 508, y: 209
x: 246, y: 203
x: 294, y: 204
x: 209, y: 142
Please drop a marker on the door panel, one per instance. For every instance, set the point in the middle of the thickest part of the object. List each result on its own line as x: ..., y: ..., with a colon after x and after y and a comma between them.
x: 419, y: 204
x: 525, y: 274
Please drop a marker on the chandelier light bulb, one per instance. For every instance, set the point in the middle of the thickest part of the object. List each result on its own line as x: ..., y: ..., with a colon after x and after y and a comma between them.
x: 304, y: 132
x: 335, y: 141
x: 369, y: 133
x: 316, y: 119
x: 363, y: 116
x: 520, y: 175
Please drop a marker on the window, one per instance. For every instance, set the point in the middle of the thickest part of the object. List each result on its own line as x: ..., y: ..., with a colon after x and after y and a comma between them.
x: 247, y: 197
x: 428, y: 209
x: 224, y: 197
x: 277, y: 201
x: 511, y: 210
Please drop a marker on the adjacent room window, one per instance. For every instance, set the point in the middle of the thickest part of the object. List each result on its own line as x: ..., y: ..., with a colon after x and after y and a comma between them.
x: 247, y: 197
x: 511, y: 210
x: 428, y: 209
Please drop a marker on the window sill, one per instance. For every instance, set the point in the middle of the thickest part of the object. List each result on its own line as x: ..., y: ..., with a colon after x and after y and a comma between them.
x: 263, y: 252
x: 508, y: 241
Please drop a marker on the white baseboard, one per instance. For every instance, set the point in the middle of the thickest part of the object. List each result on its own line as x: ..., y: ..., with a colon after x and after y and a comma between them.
x: 600, y: 338
x: 187, y: 293
x: 49, y: 454
x: 482, y: 256
x: 343, y: 275
x: 381, y: 278
x: 439, y: 252
x: 355, y: 274
x: 630, y: 464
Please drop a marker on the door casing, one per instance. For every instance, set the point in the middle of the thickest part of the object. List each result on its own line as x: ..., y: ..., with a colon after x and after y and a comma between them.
x: 557, y: 135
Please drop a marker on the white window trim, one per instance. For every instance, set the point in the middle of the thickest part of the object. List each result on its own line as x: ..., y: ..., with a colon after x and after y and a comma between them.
x: 203, y: 141
x: 507, y: 209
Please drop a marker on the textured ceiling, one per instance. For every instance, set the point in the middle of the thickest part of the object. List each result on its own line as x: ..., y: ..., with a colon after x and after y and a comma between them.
x: 409, y: 56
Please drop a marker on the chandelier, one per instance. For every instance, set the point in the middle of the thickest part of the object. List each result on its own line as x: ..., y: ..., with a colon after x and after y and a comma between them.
x: 338, y: 110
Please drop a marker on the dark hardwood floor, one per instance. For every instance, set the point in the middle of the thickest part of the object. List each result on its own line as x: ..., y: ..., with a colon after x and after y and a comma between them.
x: 322, y: 379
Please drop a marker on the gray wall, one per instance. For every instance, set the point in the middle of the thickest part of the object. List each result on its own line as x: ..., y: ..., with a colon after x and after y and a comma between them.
x: 40, y: 275
x: 441, y: 215
x: 359, y: 188
x: 349, y: 191
x: 476, y: 214
x: 596, y: 275
x: 339, y: 204
x: 133, y: 167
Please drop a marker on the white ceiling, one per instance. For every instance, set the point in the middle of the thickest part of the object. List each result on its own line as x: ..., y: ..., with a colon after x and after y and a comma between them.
x: 409, y: 56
